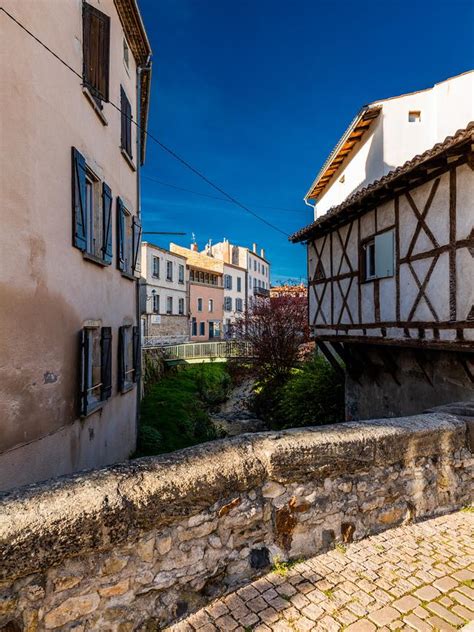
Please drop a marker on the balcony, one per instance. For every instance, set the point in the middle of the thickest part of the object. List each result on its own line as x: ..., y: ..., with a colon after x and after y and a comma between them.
x: 261, y: 291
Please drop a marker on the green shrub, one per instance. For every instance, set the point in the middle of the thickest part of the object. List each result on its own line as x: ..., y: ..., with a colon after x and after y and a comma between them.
x: 312, y: 395
x: 174, y: 411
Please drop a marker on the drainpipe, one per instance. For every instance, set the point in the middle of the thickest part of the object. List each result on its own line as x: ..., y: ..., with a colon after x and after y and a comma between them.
x: 313, y: 206
x: 140, y: 69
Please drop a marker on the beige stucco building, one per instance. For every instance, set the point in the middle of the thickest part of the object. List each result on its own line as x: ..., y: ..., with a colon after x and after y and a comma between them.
x: 69, y: 341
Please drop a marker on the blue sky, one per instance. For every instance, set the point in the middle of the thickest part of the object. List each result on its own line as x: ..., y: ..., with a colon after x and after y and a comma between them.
x: 255, y: 94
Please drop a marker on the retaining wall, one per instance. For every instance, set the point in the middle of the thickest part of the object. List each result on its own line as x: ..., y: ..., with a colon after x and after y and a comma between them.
x: 135, y: 546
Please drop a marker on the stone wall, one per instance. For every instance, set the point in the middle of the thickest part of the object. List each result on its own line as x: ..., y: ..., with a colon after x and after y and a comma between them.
x: 137, y: 545
x: 172, y: 330
x: 396, y: 381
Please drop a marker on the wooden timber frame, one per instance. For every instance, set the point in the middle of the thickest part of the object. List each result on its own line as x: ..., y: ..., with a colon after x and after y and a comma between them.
x: 336, y: 272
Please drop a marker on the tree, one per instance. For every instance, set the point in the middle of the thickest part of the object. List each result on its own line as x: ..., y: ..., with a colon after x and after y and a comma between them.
x: 275, y: 327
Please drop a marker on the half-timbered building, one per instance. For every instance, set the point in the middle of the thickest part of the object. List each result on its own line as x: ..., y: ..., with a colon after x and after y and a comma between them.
x: 391, y: 284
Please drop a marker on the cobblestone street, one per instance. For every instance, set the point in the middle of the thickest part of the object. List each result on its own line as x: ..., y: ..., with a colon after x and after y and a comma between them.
x: 417, y: 577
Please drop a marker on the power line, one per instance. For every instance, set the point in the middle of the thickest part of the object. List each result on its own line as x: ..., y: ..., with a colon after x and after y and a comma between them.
x: 216, y: 197
x: 164, y: 147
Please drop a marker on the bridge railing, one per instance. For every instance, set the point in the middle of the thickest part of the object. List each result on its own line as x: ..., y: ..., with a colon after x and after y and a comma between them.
x: 195, y: 350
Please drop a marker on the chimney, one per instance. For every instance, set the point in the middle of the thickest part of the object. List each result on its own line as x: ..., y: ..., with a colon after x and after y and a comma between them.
x: 254, y: 248
x: 262, y: 253
x: 194, y: 247
x: 226, y: 251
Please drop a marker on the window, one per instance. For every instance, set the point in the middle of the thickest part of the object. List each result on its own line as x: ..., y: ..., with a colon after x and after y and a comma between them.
x: 129, y: 357
x: 202, y: 329
x: 156, y: 267
x: 181, y: 306
x: 193, y: 327
x: 258, y: 267
x: 169, y: 270
x: 255, y: 283
x: 181, y: 273
x: 238, y: 305
x: 211, y: 305
x: 91, y: 212
x: 250, y: 281
x: 239, y: 284
x: 95, y: 51
x: 126, y: 123
x: 228, y: 303
x: 169, y: 304
x: 378, y: 256
x: 126, y: 52
x: 96, y: 367
x: 414, y: 116
x: 255, y: 266
x: 199, y: 304
x: 156, y: 303
x: 129, y: 233
x: 228, y: 281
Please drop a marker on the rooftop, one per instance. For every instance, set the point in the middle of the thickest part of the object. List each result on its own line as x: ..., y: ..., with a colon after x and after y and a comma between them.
x: 413, y: 173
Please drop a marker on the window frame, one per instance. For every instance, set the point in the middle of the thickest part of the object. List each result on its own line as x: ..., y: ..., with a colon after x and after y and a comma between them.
x: 181, y: 273
x: 169, y: 266
x: 181, y: 306
x: 199, y: 304
x: 365, y: 257
x: 169, y: 305
x: 155, y: 260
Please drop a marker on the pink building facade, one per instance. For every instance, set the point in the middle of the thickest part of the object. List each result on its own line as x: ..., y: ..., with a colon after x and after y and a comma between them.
x: 206, y: 300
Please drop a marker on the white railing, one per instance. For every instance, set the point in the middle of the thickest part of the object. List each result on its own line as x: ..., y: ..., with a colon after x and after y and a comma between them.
x: 195, y: 350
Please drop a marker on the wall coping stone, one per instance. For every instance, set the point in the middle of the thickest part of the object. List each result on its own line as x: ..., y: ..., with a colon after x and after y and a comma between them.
x: 42, y: 524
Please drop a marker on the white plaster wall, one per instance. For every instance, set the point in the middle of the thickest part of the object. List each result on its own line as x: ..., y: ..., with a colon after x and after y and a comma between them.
x: 162, y: 286
x: 233, y: 293
x: 392, y: 139
x: 264, y: 279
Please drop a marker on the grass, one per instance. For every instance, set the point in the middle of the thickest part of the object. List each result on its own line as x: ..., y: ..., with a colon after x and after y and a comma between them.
x: 340, y: 548
x: 175, y: 411
x: 468, y: 509
x: 329, y: 592
x: 282, y: 568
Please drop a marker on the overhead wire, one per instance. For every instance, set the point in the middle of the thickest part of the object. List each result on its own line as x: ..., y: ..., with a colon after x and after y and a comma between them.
x: 149, y: 135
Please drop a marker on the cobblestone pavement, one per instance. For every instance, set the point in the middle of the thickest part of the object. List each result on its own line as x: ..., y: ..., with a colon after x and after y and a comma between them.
x: 417, y: 577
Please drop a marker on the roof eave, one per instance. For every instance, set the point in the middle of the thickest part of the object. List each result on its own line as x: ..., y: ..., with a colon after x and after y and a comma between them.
x: 353, y: 134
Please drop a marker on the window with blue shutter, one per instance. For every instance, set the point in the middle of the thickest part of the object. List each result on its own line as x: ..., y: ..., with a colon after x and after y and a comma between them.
x: 107, y: 224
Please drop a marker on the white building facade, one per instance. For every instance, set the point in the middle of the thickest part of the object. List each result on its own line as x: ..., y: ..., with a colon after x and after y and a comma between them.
x: 234, y: 281
x: 387, y: 133
x: 165, y: 301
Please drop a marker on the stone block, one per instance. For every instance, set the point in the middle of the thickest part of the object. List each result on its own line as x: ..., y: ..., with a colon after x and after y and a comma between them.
x: 70, y: 610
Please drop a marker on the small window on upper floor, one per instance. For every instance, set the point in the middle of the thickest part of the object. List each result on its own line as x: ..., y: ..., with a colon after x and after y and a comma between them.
x: 95, y: 51
x: 414, y: 116
x: 126, y: 52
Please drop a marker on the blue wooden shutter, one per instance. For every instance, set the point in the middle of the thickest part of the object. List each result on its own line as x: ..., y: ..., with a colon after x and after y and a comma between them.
x: 83, y: 381
x: 79, y: 220
x: 384, y: 254
x: 107, y: 223
x: 120, y: 235
x: 136, y: 354
x: 121, y: 359
x: 137, y: 236
x: 106, y: 362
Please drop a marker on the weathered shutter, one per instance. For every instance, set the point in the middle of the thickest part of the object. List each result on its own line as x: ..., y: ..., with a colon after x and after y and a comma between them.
x: 83, y: 381
x: 106, y: 362
x: 129, y: 128
x: 136, y: 237
x: 123, y: 119
x: 96, y: 51
x: 384, y: 254
x: 136, y: 354
x: 79, y: 220
x: 121, y: 358
x: 120, y: 235
x: 107, y: 223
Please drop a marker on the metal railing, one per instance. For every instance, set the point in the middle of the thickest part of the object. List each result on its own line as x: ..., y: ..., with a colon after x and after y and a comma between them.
x: 196, y: 350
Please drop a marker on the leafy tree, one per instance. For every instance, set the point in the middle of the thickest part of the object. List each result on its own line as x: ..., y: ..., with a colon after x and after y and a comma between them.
x: 275, y: 327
